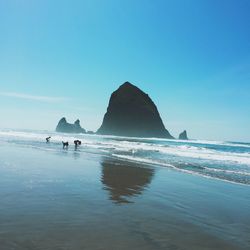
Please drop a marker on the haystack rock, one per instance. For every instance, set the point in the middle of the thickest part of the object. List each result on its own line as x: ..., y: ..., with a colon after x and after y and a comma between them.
x: 65, y: 127
x: 183, y: 135
x: 131, y: 112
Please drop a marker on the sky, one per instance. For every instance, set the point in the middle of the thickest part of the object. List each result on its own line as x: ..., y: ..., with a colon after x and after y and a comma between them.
x: 65, y: 58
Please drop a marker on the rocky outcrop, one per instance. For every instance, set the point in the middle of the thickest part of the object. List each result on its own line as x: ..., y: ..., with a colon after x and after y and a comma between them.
x: 131, y: 112
x: 65, y: 127
x: 183, y: 135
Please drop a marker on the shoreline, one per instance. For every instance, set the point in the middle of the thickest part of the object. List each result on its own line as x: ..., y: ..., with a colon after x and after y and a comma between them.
x: 87, y: 147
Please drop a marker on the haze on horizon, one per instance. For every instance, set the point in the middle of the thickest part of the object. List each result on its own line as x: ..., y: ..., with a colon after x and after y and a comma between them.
x: 65, y: 58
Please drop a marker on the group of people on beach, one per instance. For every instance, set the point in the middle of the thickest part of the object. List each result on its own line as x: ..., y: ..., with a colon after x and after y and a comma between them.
x: 66, y: 144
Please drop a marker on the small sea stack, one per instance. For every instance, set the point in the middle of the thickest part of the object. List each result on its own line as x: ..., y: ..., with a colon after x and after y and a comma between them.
x: 183, y: 135
x: 65, y: 127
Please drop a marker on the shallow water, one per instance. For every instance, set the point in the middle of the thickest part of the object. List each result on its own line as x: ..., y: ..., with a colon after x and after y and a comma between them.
x: 227, y: 161
x: 65, y: 199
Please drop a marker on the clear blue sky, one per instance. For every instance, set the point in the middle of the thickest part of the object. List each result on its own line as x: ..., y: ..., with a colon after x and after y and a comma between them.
x: 64, y: 58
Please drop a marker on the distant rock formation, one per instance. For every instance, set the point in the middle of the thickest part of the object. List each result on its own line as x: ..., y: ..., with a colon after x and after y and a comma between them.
x: 65, y: 127
x: 183, y: 135
x: 131, y: 112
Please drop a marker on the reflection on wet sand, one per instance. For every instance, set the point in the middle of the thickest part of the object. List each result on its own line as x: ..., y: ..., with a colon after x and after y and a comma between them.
x: 124, y: 180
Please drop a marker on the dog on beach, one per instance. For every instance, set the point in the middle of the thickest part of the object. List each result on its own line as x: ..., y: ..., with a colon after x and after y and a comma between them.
x: 48, y: 139
x: 65, y: 144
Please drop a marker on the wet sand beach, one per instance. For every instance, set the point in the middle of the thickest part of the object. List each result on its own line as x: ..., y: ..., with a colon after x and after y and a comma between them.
x: 76, y: 200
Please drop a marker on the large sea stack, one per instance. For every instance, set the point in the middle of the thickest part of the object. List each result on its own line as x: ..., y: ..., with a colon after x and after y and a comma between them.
x: 65, y: 127
x: 131, y: 112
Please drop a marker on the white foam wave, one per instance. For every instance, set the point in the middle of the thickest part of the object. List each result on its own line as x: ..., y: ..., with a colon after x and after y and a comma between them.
x: 183, y: 151
x: 99, y: 142
x: 143, y: 160
x: 190, y: 141
x: 149, y: 161
x: 227, y: 171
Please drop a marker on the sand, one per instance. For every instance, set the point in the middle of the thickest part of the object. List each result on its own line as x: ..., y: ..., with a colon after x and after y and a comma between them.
x: 74, y: 200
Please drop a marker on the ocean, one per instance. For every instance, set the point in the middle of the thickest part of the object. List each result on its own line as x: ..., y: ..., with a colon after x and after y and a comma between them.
x: 222, y: 160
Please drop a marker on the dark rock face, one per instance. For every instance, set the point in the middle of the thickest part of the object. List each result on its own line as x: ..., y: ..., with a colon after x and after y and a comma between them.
x: 65, y: 127
x: 131, y: 112
x: 183, y: 135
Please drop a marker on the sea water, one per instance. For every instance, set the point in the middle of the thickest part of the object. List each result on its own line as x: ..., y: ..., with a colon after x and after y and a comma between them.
x: 222, y: 160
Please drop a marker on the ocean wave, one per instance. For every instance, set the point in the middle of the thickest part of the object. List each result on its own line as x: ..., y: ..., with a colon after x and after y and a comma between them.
x: 190, y: 158
x: 227, y: 171
x: 41, y: 134
x: 232, y: 180
x: 99, y: 142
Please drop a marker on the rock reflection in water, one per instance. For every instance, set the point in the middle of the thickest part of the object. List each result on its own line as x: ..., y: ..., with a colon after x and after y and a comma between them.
x: 124, y: 180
